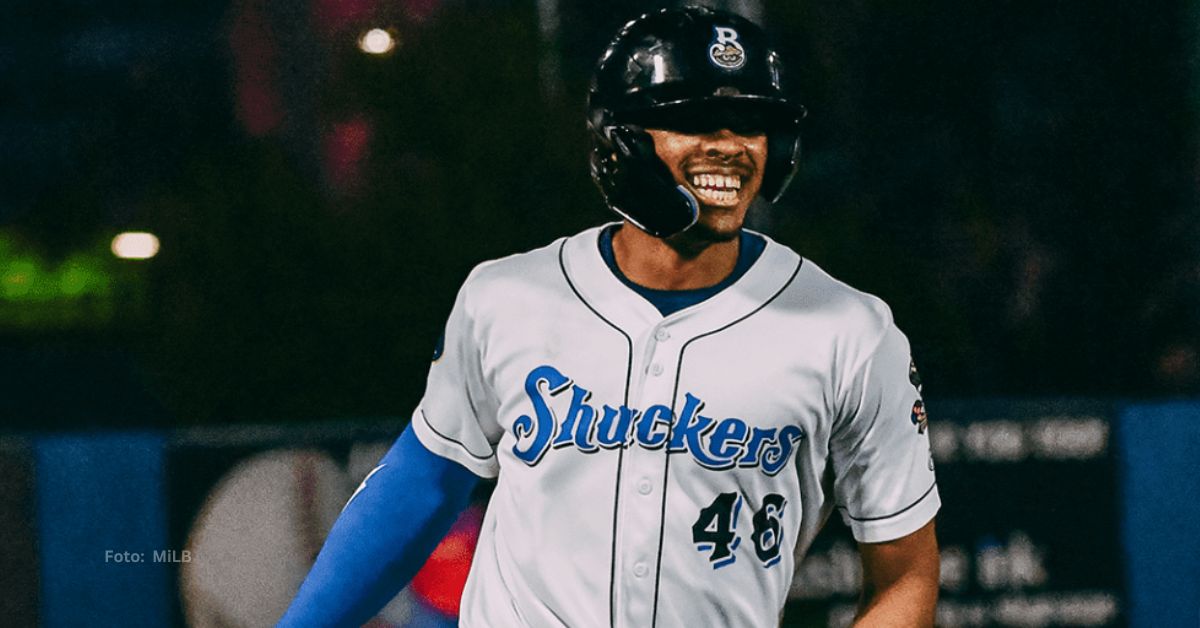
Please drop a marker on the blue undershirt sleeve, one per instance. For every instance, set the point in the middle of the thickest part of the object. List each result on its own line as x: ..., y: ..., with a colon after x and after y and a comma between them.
x: 385, y: 533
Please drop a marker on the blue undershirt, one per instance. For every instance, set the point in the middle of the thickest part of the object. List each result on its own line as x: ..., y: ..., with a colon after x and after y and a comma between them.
x: 383, y: 536
x: 394, y: 522
x: 750, y: 247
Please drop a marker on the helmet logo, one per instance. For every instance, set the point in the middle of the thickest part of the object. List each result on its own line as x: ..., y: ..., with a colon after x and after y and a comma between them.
x: 726, y: 51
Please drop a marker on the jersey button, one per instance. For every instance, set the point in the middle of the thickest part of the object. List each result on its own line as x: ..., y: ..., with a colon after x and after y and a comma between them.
x: 644, y: 487
x: 640, y: 570
x: 662, y: 335
x: 656, y: 369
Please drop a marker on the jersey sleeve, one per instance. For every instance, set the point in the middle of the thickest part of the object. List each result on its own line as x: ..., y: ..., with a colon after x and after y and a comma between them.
x: 883, y: 471
x: 456, y: 418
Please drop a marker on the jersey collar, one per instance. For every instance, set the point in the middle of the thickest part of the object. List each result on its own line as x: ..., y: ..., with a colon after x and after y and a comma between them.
x: 595, y: 284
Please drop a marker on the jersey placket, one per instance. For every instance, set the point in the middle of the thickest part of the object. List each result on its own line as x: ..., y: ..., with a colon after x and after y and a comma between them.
x: 642, y: 491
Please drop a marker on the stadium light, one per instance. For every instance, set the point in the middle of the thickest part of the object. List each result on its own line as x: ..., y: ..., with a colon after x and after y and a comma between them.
x: 135, y: 245
x: 376, y: 41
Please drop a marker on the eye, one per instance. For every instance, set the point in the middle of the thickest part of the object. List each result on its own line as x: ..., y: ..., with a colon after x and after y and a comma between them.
x: 697, y: 126
x: 746, y: 122
x: 745, y: 128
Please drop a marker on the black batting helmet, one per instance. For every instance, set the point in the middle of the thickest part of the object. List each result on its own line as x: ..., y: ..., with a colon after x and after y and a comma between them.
x: 692, y: 70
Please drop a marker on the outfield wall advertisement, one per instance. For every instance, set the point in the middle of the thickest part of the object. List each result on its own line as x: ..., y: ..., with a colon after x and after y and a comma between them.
x: 1054, y: 514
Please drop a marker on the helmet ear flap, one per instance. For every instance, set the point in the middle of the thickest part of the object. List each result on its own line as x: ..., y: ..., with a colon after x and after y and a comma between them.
x: 783, y: 155
x: 637, y: 184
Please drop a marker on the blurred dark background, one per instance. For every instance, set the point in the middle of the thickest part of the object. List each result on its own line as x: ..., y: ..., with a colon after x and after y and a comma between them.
x: 1017, y: 179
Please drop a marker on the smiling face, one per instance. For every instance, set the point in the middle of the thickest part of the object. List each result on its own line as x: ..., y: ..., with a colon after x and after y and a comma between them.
x: 722, y: 168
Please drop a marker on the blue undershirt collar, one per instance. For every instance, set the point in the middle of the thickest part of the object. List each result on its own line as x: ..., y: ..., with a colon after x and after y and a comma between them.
x: 750, y: 247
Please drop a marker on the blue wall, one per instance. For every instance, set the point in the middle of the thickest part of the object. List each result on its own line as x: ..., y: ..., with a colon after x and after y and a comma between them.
x: 101, y: 513
x: 1160, y: 482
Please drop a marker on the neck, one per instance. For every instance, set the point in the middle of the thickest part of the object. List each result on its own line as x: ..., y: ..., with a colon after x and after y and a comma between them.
x: 677, y: 263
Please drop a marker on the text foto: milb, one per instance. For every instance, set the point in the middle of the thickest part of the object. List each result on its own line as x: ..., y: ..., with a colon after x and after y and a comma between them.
x: 157, y: 556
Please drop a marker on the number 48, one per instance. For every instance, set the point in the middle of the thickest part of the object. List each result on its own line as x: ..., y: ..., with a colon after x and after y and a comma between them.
x: 715, y: 530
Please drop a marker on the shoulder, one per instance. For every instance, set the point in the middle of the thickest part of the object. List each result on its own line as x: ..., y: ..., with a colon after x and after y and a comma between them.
x: 515, y: 277
x: 534, y: 263
x: 825, y: 300
x: 831, y: 321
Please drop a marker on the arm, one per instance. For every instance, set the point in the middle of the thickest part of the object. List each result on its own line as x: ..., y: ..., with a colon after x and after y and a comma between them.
x: 900, y: 581
x: 886, y: 486
x: 383, y: 536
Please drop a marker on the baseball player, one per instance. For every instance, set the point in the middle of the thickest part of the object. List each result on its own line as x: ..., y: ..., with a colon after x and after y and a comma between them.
x: 672, y: 405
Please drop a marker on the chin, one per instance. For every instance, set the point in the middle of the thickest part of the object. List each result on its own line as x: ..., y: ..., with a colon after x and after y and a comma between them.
x: 722, y: 229
x: 723, y: 223
x: 717, y: 234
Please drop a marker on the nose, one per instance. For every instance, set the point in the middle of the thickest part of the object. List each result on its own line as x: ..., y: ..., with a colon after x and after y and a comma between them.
x: 722, y: 143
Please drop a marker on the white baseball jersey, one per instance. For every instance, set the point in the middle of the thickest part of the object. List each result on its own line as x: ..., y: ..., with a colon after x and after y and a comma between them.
x: 669, y: 471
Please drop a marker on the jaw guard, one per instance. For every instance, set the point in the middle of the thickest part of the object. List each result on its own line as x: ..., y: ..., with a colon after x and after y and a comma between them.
x: 638, y: 185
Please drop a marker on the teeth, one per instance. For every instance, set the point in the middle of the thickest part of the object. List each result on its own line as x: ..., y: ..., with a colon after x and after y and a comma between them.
x: 717, y: 181
x: 724, y: 196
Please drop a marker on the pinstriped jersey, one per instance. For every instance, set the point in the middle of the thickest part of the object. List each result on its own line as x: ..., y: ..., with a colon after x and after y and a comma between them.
x: 669, y: 471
